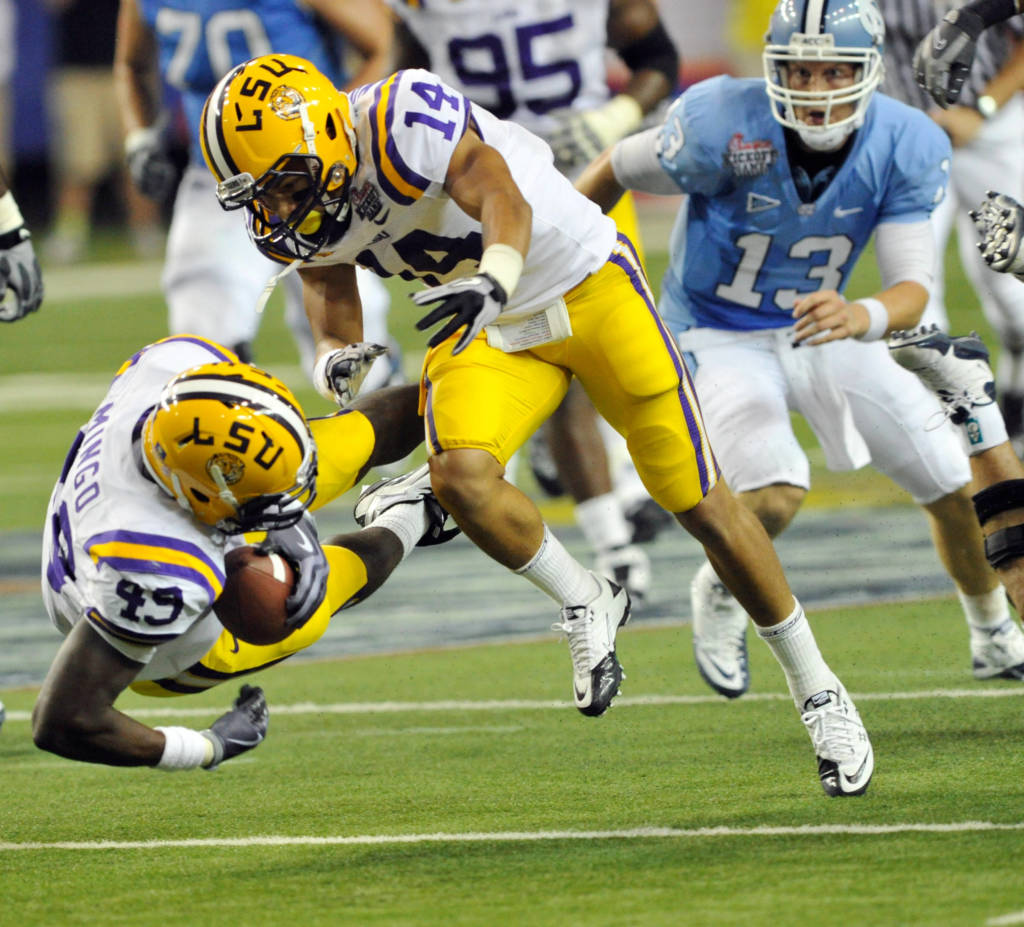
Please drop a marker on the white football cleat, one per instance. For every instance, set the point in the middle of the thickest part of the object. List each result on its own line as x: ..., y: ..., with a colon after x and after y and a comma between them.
x: 719, y: 634
x: 998, y: 652
x: 956, y: 369
x: 591, y: 630
x: 846, y: 761
x: 630, y: 567
x: 412, y: 488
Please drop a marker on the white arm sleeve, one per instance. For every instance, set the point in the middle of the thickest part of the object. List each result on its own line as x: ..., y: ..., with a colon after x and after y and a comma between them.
x: 905, y: 252
x: 636, y: 166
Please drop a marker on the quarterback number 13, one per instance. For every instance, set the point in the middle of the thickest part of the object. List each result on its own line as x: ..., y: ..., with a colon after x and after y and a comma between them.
x: 755, y: 247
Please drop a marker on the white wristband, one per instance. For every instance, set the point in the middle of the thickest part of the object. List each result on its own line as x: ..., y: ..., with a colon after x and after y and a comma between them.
x: 184, y: 749
x: 878, y: 318
x: 10, y: 215
x: 504, y: 263
x: 320, y: 375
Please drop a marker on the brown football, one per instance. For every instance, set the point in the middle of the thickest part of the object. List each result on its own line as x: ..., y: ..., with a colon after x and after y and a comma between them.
x: 252, y: 605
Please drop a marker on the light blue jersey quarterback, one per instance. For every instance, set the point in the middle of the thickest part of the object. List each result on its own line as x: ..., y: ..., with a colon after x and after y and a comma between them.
x: 745, y: 247
x: 201, y: 40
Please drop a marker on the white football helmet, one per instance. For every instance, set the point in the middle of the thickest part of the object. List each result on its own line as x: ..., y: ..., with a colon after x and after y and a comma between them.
x: 848, y: 31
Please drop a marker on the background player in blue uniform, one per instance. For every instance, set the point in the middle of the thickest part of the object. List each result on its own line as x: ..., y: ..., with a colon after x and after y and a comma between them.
x: 213, y: 278
x: 784, y: 194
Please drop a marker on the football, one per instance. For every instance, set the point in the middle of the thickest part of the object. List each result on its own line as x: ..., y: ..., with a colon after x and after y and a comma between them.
x: 252, y: 605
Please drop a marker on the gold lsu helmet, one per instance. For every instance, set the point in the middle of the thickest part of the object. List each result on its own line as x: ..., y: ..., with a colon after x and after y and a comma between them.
x: 275, y: 124
x: 230, y: 443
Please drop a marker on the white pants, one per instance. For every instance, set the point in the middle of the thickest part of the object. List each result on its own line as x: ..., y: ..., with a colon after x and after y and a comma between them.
x: 991, y: 161
x: 746, y: 398
x: 214, y: 275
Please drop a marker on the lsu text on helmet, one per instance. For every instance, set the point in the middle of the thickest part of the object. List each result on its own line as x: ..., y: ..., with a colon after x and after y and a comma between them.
x: 277, y: 135
x: 230, y: 443
x: 801, y: 32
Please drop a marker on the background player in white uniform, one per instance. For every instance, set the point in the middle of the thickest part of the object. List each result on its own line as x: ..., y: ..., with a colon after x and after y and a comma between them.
x: 531, y: 286
x: 784, y: 195
x: 542, y: 64
x: 986, y: 128
x: 188, y: 449
x: 192, y: 44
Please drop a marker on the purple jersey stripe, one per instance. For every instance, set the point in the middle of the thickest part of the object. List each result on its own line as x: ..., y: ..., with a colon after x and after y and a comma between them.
x: 705, y: 466
x: 131, y: 637
x: 159, y: 568
x: 428, y: 417
x: 157, y: 540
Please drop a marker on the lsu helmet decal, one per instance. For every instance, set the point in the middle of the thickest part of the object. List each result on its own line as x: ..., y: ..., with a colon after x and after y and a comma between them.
x: 278, y: 136
x: 230, y: 443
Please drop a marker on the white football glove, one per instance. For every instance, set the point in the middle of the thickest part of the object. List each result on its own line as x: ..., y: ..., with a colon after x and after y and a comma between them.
x: 21, y: 280
x: 1000, y: 223
x: 582, y: 136
x: 411, y: 488
x: 149, y: 165
x: 943, y: 58
x: 339, y: 373
x: 473, y: 302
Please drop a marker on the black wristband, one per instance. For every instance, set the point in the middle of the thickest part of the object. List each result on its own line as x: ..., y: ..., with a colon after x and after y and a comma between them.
x: 14, y: 237
x: 653, y: 52
x: 992, y: 11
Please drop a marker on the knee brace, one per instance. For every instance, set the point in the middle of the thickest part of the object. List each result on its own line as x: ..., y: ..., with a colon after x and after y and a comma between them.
x: 1006, y: 544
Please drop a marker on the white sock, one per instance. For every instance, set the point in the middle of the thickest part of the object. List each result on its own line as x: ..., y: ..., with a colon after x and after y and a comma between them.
x: 406, y: 522
x: 794, y: 647
x: 556, y: 572
x: 984, y: 429
x: 602, y: 522
x: 985, y: 611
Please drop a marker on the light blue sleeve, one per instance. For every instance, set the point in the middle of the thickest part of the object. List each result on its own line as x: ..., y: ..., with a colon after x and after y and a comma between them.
x: 690, y: 144
x: 920, y: 172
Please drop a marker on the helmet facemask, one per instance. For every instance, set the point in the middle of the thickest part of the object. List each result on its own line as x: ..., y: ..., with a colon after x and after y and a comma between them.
x: 786, y: 101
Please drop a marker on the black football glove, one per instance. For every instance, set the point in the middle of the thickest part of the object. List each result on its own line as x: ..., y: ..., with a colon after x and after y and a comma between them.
x: 944, y: 56
x: 149, y: 164
x: 299, y: 544
x: 241, y: 728
x: 411, y: 488
x: 21, y: 280
x: 471, y: 301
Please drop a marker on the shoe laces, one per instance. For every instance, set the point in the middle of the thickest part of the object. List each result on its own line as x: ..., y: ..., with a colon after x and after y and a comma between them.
x: 834, y: 733
x: 577, y: 626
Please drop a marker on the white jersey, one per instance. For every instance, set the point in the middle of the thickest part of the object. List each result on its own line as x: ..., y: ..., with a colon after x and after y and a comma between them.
x: 117, y: 550
x: 405, y: 224
x: 521, y: 59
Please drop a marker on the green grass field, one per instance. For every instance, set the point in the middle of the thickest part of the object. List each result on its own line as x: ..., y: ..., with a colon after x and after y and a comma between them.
x: 406, y: 790
x: 457, y: 786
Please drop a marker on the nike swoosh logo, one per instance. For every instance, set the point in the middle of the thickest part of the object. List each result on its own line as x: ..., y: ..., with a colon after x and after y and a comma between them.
x: 717, y: 666
x: 940, y: 43
x: 841, y: 213
x: 580, y: 696
x: 860, y: 772
x: 245, y: 743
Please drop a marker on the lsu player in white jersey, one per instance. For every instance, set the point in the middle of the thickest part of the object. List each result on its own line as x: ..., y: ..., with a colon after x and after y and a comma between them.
x: 542, y: 64
x: 190, y: 44
x: 784, y: 195
x: 189, y: 449
x: 531, y: 286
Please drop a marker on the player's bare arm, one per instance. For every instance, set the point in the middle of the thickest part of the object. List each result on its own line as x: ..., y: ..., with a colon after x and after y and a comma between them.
x: 478, y: 179
x: 367, y: 26
x: 74, y: 716
x: 598, y: 182
x: 332, y: 303
x: 636, y: 33
x: 136, y: 69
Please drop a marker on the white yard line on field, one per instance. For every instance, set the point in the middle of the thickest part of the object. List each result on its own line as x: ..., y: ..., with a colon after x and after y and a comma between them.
x: 1004, y: 920
x: 625, y: 701
x: 637, y: 833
